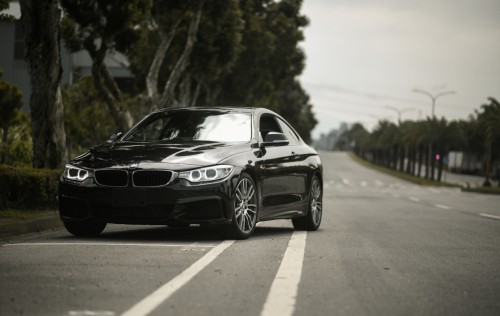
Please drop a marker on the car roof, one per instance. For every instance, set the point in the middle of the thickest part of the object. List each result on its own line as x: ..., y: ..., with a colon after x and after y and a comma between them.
x: 217, y: 108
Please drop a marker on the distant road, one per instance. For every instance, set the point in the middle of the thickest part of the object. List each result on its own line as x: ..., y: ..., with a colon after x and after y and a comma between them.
x: 385, y: 247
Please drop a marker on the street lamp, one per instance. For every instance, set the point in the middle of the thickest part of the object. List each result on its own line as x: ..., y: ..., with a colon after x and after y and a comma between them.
x: 430, y: 162
x: 433, y: 96
x: 399, y: 111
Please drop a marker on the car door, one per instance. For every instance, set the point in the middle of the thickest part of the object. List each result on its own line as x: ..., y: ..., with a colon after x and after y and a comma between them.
x: 282, y: 184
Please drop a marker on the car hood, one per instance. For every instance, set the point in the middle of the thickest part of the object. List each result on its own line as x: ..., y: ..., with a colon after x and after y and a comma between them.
x: 171, y: 155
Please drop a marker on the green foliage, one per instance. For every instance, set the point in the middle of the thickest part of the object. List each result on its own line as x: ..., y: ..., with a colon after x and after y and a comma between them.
x: 417, y: 143
x: 87, y: 119
x: 111, y: 21
x: 218, y: 43
x: 4, y: 5
x: 265, y: 73
x: 488, y: 126
x: 20, y: 145
x: 11, y: 101
x: 16, y: 146
x: 28, y: 188
x: 246, y: 54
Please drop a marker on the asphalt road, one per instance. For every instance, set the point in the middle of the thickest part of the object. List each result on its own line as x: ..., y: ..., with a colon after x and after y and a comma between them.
x: 385, y: 247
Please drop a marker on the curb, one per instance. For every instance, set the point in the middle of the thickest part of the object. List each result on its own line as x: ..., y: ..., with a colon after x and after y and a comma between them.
x: 30, y: 226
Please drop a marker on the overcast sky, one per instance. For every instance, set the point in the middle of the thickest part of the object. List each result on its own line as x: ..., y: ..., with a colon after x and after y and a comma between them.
x: 365, y: 55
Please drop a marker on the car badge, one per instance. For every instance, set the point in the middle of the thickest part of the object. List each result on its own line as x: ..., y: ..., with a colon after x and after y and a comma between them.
x: 133, y: 165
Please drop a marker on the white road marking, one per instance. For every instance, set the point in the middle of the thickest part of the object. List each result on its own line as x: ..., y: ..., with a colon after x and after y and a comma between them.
x: 345, y: 181
x: 197, y: 245
x: 152, y: 301
x: 489, y: 216
x: 91, y: 313
x: 364, y: 183
x: 395, y: 195
x: 379, y: 183
x: 414, y: 199
x: 444, y: 207
x: 283, y: 293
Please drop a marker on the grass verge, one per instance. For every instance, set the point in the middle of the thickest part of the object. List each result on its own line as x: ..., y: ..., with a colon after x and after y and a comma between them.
x: 26, y: 214
x: 401, y: 175
x: 484, y: 190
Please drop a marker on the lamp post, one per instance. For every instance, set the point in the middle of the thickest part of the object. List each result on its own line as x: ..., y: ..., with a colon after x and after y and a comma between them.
x: 399, y: 111
x: 434, y: 97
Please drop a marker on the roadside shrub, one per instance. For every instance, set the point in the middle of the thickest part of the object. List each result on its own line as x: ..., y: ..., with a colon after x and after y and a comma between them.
x: 28, y: 188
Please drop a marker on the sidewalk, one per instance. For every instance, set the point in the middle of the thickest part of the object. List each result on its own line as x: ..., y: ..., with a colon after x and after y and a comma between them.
x: 13, y: 227
x: 463, y: 180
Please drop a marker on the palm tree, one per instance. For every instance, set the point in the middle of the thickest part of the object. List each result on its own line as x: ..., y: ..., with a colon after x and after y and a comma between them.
x: 489, y: 125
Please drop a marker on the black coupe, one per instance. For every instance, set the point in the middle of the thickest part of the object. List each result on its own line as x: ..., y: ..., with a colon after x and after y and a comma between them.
x: 231, y: 166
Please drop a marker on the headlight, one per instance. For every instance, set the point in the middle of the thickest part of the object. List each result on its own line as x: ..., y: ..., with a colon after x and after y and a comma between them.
x: 207, y: 174
x: 75, y: 174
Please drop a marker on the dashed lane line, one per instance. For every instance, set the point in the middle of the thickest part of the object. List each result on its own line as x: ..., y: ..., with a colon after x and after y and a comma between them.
x: 489, y: 216
x: 414, y: 199
x: 441, y: 206
x: 152, y: 301
x: 283, y: 293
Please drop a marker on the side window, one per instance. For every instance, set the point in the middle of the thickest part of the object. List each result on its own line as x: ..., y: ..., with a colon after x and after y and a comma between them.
x: 289, y: 133
x: 268, y: 124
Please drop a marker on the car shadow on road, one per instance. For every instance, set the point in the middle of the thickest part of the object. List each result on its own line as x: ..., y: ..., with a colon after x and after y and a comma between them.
x: 155, y: 234
x: 269, y: 232
x: 190, y: 234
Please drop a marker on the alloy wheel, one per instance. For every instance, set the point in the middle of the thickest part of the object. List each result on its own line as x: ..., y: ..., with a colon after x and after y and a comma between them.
x: 245, y: 206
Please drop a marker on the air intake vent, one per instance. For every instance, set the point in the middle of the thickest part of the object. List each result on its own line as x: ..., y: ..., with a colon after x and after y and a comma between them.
x: 151, y: 178
x: 112, y: 178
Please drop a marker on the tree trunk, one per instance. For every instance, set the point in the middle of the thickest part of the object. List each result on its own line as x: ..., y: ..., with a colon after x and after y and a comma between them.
x: 40, y: 21
x: 173, y: 80
x: 420, y: 157
x: 440, y: 166
x: 402, y: 156
x: 107, y: 87
x: 433, y: 162
x: 154, y: 69
x: 410, y: 161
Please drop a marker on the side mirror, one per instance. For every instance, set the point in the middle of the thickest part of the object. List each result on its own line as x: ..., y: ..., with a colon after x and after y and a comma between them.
x: 114, y: 137
x: 275, y: 139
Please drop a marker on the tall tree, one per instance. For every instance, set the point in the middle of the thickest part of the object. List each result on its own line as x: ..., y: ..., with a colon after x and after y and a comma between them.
x: 100, y: 27
x: 265, y: 74
x: 489, y: 125
x: 167, y: 32
x: 40, y: 20
x: 182, y: 63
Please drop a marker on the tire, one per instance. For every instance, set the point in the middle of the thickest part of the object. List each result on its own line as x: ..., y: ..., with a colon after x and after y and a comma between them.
x: 312, y: 220
x: 244, y: 208
x: 87, y: 228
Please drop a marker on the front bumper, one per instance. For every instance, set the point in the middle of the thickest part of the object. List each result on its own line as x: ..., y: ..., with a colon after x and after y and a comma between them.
x: 180, y: 201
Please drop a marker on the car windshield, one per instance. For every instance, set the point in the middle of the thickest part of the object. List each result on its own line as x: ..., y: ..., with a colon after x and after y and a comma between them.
x: 218, y: 126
